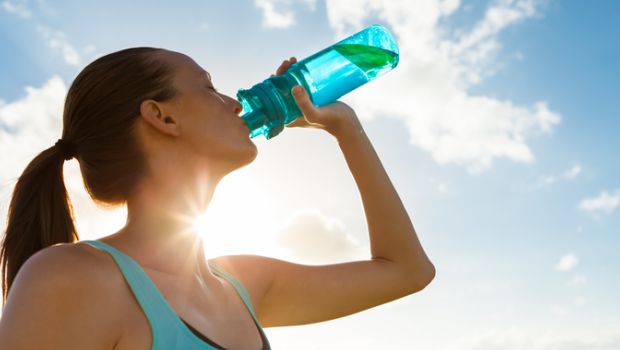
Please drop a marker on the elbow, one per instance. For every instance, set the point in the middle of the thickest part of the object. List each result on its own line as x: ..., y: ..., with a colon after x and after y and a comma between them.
x: 423, y: 277
x: 431, y: 274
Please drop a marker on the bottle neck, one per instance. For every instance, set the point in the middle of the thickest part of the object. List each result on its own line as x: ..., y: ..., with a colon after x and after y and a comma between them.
x: 256, y: 121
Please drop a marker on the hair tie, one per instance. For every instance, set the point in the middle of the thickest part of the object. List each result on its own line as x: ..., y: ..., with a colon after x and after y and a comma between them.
x: 66, y: 148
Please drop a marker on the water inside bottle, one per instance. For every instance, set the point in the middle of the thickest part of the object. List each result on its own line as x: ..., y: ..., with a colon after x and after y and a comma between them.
x: 341, y: 68
x: 371, y: 60
x: 328, y: 75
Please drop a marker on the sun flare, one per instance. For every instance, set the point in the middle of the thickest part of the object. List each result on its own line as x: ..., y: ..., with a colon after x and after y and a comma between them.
x: 201, y: 224
x: 238, y: 220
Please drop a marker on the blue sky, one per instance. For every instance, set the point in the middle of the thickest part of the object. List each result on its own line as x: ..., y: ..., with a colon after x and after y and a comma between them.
x: 498, y: 129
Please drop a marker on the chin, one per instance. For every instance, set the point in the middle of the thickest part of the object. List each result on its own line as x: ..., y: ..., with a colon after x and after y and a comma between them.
x: 245, y: 156
x: 252, y: 154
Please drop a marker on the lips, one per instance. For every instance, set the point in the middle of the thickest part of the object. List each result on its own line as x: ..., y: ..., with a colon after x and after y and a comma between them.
x: 242, y: 122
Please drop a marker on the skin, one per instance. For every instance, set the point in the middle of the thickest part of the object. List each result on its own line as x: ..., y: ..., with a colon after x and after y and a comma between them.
x: 191, y: 143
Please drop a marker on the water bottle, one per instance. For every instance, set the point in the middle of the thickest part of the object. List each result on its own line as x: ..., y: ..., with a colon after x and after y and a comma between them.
x: 327, y: 75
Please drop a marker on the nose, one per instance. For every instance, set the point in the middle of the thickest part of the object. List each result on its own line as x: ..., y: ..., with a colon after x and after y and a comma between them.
x: 237, y: 107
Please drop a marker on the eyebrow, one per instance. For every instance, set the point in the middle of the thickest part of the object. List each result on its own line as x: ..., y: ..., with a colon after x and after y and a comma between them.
x: 204, y: 72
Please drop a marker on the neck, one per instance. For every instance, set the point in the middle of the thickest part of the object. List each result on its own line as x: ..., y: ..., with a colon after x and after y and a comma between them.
x: 159, y: 231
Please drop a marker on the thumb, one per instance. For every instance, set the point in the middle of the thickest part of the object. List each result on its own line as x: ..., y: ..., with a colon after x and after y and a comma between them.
x: 303, y: 101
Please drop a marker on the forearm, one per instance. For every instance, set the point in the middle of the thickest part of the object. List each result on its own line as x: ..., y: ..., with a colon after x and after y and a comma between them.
x: 392, y: 236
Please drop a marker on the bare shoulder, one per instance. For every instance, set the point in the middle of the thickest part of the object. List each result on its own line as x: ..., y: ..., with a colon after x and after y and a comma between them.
x: 69, y: 265
x: 243, y: 267
x: 73, y: 256
x: 72, y: 265
x: 252, y: 271
x: 61, y: 297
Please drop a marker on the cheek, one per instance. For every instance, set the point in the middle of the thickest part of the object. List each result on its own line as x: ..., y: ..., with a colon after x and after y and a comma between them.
x: 213, y: 125
x: 215, y: 134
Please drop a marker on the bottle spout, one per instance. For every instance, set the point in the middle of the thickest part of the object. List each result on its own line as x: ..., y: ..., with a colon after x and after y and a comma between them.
x: 256, y: 122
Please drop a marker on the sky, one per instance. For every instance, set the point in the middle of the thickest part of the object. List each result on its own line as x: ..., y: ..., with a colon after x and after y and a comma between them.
x: 498, y: 128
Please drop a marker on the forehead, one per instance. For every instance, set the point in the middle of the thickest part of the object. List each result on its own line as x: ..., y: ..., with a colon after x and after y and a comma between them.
x: 185, y: 66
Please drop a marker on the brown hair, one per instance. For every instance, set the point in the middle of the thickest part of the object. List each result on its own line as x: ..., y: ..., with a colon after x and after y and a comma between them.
x: 99, y: 120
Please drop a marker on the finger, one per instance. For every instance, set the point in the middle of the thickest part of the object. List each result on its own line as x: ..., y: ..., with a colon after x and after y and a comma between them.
x: 283, y: 67
x: 279, y: 70
x: 297, y: 122
x: 286, y: 64
x: 303, y: 101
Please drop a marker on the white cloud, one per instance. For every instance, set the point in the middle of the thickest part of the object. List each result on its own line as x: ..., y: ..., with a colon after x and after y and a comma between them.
x: 548, y: 180
x: 518, y: 338
x: 38, y: 113
x: 480, y: 43
x: 57, y: 40
x: 580, y: 301
x: 271, y: 17
x: 559, y: 310
x: 203, y: 25
x: 310, y: 4
x: 489, y: 287
x: 428, y: 91
x: 605, y: 202
x: 314, y: 238
x: 567, y: 262
x: 573, y: 172
x: 579, y: 280
x: 443, y: 187
x: 16, y: 8
x: 89, y: 49
x: 27, y: 127
x: 568, y: 174
x: 30, y: 125
x: 280, y: 13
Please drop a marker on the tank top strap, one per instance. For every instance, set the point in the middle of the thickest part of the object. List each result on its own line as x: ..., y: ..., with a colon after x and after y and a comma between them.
x: 162, y: 318
x: 151, y: 301
x: 245, y: 296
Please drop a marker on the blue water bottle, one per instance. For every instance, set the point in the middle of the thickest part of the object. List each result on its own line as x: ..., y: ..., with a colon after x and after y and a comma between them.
x: 327, y: 75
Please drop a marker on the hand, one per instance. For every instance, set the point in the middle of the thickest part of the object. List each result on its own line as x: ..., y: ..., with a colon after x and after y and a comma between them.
x: 335, y: 118
x: 284, y: 66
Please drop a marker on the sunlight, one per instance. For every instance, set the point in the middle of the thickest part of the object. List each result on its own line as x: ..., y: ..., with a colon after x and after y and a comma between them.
x: 239, y: 220
x: 201, y: 223
x: 91, y: 220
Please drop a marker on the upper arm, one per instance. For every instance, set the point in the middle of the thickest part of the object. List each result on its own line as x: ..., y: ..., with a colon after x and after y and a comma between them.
x: 295, y: 294
x: 50, y: 305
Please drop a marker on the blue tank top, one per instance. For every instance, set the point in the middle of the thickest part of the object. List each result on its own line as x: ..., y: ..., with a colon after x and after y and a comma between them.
x: 169, y: 330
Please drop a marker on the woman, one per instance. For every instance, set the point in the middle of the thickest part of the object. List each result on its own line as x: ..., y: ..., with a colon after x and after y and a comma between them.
x: 150, y: 131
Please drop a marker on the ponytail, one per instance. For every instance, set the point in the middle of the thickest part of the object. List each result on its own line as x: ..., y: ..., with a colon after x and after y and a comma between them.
x: 40, y: 214
x: 100, y: 118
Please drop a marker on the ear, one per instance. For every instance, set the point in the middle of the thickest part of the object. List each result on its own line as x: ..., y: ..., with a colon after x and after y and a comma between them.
x: 154, y: 114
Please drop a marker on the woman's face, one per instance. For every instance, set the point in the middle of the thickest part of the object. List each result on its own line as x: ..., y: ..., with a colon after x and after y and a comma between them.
x: 209, y: 121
